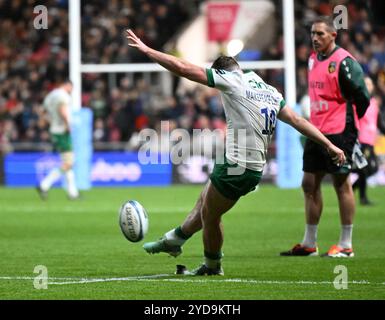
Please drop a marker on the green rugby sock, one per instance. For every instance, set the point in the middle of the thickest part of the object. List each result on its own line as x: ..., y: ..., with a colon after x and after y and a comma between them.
x: 213, y: 260
x: 181, y: 234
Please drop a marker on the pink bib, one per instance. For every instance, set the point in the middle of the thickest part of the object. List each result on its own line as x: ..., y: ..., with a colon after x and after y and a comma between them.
x: 368, y: 124
x: 328, y: 106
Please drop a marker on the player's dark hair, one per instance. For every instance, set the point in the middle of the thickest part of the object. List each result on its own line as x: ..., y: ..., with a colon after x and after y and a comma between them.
x: 225, y: 63
x: 66, y: 80
x: 329, y: 21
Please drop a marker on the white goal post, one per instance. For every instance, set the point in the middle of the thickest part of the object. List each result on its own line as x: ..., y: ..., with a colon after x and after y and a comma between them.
x: 77, y: 68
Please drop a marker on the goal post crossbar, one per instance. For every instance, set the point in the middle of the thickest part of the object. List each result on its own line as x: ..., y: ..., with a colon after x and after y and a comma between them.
x: 154, y: 67
x: 77, y: 68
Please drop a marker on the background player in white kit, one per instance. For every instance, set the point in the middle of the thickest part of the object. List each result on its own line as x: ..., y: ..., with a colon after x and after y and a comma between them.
x: 251, y: 108
x: 58, y: 105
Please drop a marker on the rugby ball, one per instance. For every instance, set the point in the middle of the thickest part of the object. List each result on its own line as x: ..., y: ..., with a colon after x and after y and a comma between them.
x: 133, y: 220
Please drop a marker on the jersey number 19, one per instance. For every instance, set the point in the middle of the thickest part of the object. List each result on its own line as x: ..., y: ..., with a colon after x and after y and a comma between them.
x: 270, y: 120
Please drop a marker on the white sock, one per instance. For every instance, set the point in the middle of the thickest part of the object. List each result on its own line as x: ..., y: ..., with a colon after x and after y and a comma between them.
x: 71, y: 185
x: 173, y: 239
x: 310, y: 237
x: 53, y: 176
x: 346, y: 236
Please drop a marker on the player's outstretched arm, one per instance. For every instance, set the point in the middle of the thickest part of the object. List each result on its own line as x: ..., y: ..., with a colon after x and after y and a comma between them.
x: 175, y: 65
x: 306, y: 128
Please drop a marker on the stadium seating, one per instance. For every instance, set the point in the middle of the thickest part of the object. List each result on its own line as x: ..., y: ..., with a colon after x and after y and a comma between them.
x: 30, y: 68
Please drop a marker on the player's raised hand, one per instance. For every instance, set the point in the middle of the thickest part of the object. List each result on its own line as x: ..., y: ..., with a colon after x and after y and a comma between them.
x: 134, y: 41
x: 337, y: 155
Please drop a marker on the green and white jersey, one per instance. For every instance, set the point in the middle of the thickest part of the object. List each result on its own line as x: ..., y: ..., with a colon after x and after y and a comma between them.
x: 52, y: 103
x: 251, y: 108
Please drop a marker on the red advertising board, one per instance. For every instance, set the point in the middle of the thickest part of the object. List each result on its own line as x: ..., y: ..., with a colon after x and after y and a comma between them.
x: 220, y: 20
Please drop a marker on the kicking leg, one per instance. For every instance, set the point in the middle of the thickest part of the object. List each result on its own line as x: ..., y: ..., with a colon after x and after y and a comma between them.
x: 174, y: 239
x: 193, y: 222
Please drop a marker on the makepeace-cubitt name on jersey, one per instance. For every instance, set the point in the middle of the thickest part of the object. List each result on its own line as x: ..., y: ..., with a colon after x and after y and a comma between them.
x: 262, y: 97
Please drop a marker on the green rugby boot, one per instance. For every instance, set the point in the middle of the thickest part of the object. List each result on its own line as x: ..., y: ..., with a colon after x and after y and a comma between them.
x: 162, y: 245
x: 204, y: 270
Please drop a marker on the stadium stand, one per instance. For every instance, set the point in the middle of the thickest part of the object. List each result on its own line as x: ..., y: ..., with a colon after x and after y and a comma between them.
x: 33, y: 61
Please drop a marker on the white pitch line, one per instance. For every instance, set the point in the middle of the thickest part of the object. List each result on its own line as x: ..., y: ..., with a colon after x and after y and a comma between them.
x: 139, y: 278
x: 158, y: 278
x: 32, y: 278
x: 75, y: 280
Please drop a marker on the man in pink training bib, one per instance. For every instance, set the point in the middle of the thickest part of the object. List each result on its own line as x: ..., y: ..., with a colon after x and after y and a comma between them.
x: 369, y: 124
x: 338, y: 97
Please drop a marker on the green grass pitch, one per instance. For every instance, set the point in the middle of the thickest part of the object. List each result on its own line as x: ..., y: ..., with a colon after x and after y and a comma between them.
x: 87, y: 256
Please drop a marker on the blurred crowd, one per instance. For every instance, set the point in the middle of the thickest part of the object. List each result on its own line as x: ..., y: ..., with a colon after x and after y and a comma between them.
x: 364, y: 38
x: 154, y: 21
x: 33, y: 61
x: 134, y: 105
